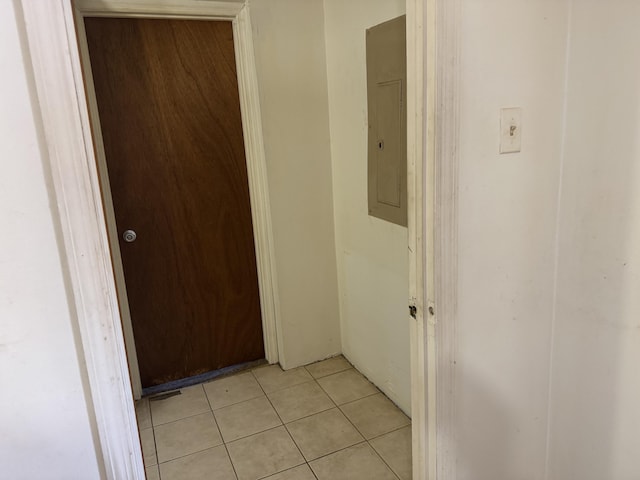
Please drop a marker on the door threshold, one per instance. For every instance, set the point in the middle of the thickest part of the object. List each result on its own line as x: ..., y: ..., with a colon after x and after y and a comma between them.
x: 202, y: 378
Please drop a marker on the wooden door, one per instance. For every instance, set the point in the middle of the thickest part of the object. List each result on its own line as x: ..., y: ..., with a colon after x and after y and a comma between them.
x: 168, y: 104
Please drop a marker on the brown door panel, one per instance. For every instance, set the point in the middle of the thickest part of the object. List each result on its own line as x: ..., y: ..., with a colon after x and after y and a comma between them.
x: 169, y: 109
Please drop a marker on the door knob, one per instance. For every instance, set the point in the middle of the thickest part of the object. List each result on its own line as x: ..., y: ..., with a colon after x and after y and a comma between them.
x: 129, y: 236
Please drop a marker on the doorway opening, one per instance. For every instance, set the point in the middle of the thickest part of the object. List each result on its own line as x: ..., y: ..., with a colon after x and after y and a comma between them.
x: 185, y: 322
x: 176, y: 194
x: 97, y: 379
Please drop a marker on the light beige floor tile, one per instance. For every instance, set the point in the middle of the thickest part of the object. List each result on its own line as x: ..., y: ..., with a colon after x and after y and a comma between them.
x: 323, y: 433
x: 143, y: 413
x: 246, y: 418
x: 273, y: 378
x: 328, y: 367
x: 209, y: 464
x: 375, y: 415
x: 148, y: 447
x: 347, y: 386
x: 231, y: 390
x: 395, y: 449
x: 303, y: 472
x: 186, y: 436
x: 264, y: 454
x: 152, y: 473
x: 300, y: 401
x: 355, y: 463
x: 191, y: 401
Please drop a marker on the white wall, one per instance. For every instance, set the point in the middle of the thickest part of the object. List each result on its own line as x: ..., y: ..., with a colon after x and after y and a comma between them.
x: 512, y: 54
x: 595, y: 428
x: 291, y: 67
x: 45, y: 430
x: 371, y: 253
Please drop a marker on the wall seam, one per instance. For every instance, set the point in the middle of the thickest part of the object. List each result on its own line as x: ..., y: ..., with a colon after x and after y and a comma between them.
x: 337, y: 229
x: 563, y: 133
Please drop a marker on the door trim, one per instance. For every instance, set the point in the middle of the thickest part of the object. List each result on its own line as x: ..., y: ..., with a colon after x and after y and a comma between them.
x: 53, y: 46
x: 432, y: 180
x: 253, y: 144
x: 421, y: 441
x: 446, y: 139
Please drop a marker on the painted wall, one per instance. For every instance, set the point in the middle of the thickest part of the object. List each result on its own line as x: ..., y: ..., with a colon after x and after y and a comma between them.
x: 512, y: 54
x: 291, y: 68
x: 371, y: 253
x: 45, y: 430
x: 595, y: 390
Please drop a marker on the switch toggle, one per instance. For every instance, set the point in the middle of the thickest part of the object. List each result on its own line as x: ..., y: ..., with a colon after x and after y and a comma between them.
x: 510, y: 130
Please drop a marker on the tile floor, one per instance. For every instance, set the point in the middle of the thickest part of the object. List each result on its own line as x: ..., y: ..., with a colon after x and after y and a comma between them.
x: 324, y: 421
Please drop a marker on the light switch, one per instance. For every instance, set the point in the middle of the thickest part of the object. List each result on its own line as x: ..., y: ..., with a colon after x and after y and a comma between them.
x: 510, y: 130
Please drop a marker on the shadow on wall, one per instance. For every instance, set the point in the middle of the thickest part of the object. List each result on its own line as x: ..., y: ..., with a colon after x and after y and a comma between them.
x: 485, y: 454
x: 595, y: 421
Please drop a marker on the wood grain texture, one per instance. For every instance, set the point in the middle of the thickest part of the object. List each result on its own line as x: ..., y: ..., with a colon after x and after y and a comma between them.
x: 168, y: 103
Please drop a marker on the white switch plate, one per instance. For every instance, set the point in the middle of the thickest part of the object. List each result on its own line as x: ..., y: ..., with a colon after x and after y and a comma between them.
x: 510, y: 130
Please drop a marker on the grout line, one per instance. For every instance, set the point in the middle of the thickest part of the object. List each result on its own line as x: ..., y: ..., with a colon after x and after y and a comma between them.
x: 381, y: 393
x: 390, y: 431
x: 338, y: 451
x: 313, y: 472
x: 353, y: 424
x: 252, y: 434
x: 155, y: 449
x: 215, y: 421
x: 383, y: 460
x: 180, y: 419
x: 282, y: 471
x: 155, y: 446
x: 209, y: 402
x: 351, y: 401
x: 214, y: 410
x: 286, y: 388
x: 367, y: 396
x: 310, y: 415
x: 329, y: 374
x: 189, y: 454
x: 233, y: 467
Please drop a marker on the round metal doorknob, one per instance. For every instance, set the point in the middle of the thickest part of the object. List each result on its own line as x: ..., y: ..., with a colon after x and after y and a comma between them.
x: 129, y: 236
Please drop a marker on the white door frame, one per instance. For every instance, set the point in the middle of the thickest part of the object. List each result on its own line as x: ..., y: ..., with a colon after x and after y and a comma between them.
x: 432, y: 171
x: 443, y: 65
x: 422, y: 390
x: 256, y: 164
x: 432, y: 154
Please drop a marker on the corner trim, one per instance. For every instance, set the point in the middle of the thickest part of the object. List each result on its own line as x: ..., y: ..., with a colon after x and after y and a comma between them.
x: 447, y: 136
